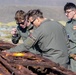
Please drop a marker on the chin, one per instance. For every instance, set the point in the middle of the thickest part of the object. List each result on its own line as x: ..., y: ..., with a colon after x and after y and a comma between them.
x: 23, y: 27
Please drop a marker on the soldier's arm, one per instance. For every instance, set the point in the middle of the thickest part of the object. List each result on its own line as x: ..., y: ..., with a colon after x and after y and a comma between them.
x: 28, y: 43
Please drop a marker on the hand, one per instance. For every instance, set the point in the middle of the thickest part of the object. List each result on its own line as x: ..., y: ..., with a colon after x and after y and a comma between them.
x: 74, y: 27
x: 74, y: 58
x: 31, y: 31
x: 5, y: 52
x: 14, y: 31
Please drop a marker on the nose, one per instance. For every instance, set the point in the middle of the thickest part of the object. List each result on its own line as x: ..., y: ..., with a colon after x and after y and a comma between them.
x: 20, y: 24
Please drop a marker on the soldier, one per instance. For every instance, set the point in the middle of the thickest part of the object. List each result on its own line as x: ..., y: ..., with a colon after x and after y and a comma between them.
x: 22, y: 29
x: 70, y: 12
x: 49, y: 36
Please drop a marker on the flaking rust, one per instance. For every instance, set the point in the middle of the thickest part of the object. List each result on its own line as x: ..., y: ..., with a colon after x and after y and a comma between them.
x: 5, y: 45
x: 27, y: 63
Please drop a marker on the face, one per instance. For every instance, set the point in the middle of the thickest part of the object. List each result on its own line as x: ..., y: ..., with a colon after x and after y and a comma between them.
x: 27, y: 23
x: 70, y: 13
x: 22, y: 24
x: 35, y: 21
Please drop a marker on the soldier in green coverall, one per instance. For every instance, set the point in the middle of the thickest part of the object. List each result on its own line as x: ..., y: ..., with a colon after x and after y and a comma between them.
x: 49, y: 35
x: 23, y: 29
x: 70, y: 12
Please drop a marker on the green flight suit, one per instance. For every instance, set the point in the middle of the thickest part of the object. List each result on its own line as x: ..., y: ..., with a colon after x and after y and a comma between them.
x: 72, y: 39
x: 23, y: 33
x: 50, y: 37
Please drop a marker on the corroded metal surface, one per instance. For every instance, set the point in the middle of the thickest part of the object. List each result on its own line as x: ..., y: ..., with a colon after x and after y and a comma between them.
x: 5, y: 45
x: 27, y: 63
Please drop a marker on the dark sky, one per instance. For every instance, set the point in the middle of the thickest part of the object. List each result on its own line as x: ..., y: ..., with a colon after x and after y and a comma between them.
x: 36, y: 2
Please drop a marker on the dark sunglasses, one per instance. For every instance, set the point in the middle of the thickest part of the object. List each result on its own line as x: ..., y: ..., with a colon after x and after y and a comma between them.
x: 33, y: 21
x: 21, y: 23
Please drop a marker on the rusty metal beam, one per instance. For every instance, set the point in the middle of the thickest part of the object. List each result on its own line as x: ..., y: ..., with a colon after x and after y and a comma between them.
x: 51, y: 65
x: 19, y: 65
x: 5, y: 45
x: 40, y: 62
x: 3, y: 70
x: 12, y: 70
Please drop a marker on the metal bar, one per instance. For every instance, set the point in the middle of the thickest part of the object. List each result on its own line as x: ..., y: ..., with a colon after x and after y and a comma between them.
x: 46, y: 64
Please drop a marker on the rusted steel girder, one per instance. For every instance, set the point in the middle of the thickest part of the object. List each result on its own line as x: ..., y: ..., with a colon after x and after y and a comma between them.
x: 15, y: 69
x: 27, y: 63
x: 5, y: 45
x: 37, y: 62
